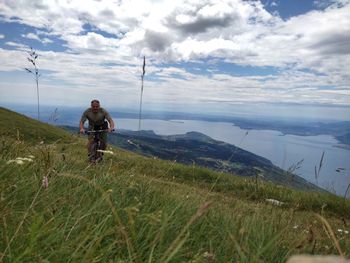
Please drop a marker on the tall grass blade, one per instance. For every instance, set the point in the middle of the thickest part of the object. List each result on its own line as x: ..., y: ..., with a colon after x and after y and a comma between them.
x: 119, y: 224
x: 318, y: 171
x: 35, y: 71
x: 142, y: 76
x: 180, y: 239
x: 20, y: 224
x: 331, y: 233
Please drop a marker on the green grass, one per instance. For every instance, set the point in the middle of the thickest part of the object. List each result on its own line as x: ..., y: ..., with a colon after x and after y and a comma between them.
x: 136, y: 209
x: 30, y: 130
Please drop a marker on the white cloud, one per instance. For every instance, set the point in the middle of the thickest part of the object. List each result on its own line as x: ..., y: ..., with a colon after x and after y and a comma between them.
x: 31, y: 36
x: 330, y: 3
x: 240, y: 32
x: 2, y: 36
x: 13, y: 44
x: 44, y: 40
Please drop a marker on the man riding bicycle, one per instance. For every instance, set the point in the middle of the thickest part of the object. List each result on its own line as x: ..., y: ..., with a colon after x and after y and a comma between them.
x: 97, y: 118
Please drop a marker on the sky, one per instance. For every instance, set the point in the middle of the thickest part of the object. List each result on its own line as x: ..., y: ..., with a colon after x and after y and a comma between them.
x: 277, y: 57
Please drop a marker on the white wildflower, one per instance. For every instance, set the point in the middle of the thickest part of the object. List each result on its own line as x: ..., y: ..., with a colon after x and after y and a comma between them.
x: 274, y: 202
x: 343, y: 231
x: 20, y: 162
x: 295, y: 227
x: 104, y: 151
x: 24, y: 159
x: 209, y: 256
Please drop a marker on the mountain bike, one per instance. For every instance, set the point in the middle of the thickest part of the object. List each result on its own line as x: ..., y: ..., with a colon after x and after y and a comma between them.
x: 95, y: 153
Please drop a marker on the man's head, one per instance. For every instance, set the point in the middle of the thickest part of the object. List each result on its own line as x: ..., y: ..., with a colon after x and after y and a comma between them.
x: 95, y: 106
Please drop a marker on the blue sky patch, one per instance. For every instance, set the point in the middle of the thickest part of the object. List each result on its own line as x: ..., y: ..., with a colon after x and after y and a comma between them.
x: 288, y: 8
x: 15, y: 32
x: 208, y: 67
x: 89, y: 28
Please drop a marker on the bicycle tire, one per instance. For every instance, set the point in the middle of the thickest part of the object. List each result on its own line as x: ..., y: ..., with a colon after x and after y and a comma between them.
x: 93, y: 152
x: 99, y: 154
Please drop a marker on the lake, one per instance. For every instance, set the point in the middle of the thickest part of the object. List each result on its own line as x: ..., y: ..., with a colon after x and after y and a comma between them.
x: 282, y: 150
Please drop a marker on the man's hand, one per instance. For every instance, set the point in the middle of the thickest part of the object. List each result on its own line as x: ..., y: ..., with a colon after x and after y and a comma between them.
x: 82, y: 131
x: 110, y: 129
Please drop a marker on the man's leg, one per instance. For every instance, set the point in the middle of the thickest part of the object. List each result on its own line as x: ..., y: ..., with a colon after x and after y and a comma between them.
x: 103, y: 141
x: 90, y: 147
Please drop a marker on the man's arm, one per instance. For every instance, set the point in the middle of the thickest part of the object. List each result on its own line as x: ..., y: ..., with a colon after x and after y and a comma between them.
x: 110, y: 120
x: 82, y: 121
x: 81, y: 127
x: 111, y: 124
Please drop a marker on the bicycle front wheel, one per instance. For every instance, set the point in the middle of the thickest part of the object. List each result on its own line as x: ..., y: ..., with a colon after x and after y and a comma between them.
x: 93, y: 153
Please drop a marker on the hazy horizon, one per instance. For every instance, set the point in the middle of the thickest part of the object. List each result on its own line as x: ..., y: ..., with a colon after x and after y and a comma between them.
x: 280, y: 112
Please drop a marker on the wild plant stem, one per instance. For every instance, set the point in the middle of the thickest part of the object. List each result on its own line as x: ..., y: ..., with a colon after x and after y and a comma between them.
x: 346, y: 191
x: 37, y: 93
x: 239, y: 144
x: 178, y: 242
x: 142, y: 76
x: 331, y: 233
x: 120, y: 226
x: 140, y: 111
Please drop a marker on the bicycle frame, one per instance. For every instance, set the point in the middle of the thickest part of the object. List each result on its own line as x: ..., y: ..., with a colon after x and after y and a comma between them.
x: 95, y: 155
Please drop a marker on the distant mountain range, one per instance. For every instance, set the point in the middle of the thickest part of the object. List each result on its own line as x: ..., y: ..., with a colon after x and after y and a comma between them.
x: 195, y: 148
x: 338, y: 129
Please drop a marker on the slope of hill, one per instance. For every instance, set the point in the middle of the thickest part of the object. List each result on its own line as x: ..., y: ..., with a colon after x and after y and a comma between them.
x: 131, y: 208
x: 22, y: 127
x: 194, y: 148
x: 199, y: 149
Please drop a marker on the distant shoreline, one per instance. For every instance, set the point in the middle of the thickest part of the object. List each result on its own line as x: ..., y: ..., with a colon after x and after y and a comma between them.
x: 343, y: 146
x: 336, y: 130
x: 340, y: 130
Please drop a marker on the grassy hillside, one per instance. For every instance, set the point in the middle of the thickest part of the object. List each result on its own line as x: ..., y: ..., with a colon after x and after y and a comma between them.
x: 31, y: 131
x: 136, y: 209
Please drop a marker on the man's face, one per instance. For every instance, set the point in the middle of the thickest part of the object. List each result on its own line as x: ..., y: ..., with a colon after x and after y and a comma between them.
x: 95, y: 106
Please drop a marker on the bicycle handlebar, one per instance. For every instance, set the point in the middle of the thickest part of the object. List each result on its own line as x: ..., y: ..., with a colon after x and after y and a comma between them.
x: 97, y: 131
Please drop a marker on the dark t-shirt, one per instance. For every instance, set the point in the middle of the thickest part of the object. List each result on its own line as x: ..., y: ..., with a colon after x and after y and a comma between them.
x: 95, y: 119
